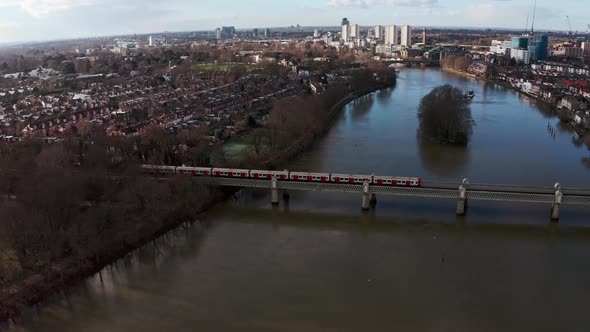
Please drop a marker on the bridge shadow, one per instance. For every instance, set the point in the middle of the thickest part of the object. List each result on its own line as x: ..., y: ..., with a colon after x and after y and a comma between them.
x: 370, y: 222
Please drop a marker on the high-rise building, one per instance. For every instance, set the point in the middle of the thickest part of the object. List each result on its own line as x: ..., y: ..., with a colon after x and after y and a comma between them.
x: 345, y: 21
x: 316, y: 33
x: 539, y: 48
x: 379, y: 33
x: 218, y: 33
x: 424, y: 36
x: 151, y: 41
x: 520, y: 42
x: 267, y: 33
x: 406, y: 35
x: 392, y: 35
x: 520, y: 54
x: 345, y: 32
x: 227, y: 32
x: 255, y: 33
x: 355, y: 31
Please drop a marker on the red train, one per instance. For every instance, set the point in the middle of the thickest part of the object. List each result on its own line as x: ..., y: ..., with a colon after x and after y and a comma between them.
x: 287, y: 176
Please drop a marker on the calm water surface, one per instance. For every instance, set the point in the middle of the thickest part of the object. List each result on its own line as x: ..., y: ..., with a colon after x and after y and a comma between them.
x: 319, y: 264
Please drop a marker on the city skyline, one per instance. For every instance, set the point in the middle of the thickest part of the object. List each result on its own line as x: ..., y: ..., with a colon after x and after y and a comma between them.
x: 36, y: 20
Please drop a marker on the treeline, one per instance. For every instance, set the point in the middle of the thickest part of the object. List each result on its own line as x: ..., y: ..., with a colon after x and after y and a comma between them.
x: 456, y: 62
x: 84, y: 200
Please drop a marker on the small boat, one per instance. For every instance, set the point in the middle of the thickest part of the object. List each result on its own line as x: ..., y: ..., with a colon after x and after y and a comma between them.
x: 470, y: 95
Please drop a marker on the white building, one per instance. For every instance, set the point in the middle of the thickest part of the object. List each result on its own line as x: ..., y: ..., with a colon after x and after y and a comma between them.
x: 316, y: 33
x: 392, y: 35
x: 501, y: 46
x: 379, y: 33
x: 355, y: 31
x: 151, y: 41
x: 406, y: 36
x: 345, y: 33
x: 521, y: 55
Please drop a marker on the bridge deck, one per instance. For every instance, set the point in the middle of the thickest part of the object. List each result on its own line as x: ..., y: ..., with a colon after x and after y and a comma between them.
x: 430, y: 190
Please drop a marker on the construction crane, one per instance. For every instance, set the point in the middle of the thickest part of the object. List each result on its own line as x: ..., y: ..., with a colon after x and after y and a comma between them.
x: 570, y: 24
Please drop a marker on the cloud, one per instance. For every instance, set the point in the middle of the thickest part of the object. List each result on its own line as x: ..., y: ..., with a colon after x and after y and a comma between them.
x: 42, y: 8
x: 487, y: 14
x: 368, y: 3
x: 11, y: 24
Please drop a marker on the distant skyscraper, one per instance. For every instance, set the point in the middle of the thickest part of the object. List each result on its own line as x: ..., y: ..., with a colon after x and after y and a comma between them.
x: 379, y: 33
x: 355, y: 31
x: 346, y: 32
x: 218, y: 33
x: 539, y: 48
x: 520, y: 42
x: 406, y: 35
x: 228, y: 32
x: 255, y: 33
x: 267, y: 33
x: 345, y: 21
x: 424, y: 36
x: 316, y: 33
x: 392, y: 35
x: 151, y: 41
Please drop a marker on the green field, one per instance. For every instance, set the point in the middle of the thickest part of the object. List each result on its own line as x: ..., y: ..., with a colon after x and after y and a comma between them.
x: 219, y: 66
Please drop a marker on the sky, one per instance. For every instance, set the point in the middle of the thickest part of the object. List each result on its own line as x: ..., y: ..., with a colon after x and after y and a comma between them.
x: 36, y: 20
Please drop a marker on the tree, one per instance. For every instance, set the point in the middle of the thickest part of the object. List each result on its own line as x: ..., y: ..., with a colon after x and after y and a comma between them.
x: 445, y: 117
x: 68, y: 68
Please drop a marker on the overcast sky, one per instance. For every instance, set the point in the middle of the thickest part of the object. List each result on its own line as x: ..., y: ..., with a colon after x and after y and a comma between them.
x: 26, y: 20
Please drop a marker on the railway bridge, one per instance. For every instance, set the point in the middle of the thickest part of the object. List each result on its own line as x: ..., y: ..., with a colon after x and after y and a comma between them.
x: 462, y: 192
x: 410, y: 62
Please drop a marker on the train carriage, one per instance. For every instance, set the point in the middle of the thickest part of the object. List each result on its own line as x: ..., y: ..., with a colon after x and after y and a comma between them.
x: 396, y: 181
x: 158, y: 169
x: 231, y: 173
x: 309, y: 177
x: 268, y: 175
x: 352, y: 179
x: 194, y: 171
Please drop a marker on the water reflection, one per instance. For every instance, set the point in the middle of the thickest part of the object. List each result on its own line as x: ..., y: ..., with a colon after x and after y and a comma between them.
x: 361, y: 106
x: 564, y: 127
x: 384, y: 95
x: 444, y: 160
x: 547, y: 111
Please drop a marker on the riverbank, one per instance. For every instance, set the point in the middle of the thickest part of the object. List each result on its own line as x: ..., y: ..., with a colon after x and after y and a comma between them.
x: 579, y: 131
x: 34, y: 288
x: 304, y: 143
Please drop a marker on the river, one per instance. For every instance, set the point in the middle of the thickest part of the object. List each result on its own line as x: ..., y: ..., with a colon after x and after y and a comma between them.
x: 317, y: 263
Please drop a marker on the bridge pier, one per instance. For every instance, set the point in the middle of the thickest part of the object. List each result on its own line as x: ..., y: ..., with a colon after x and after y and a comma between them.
x: 556, y: 204
x: 366, y: 202
x: 462, y: 201
x: 373, y: 201
x: 274, y: 191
